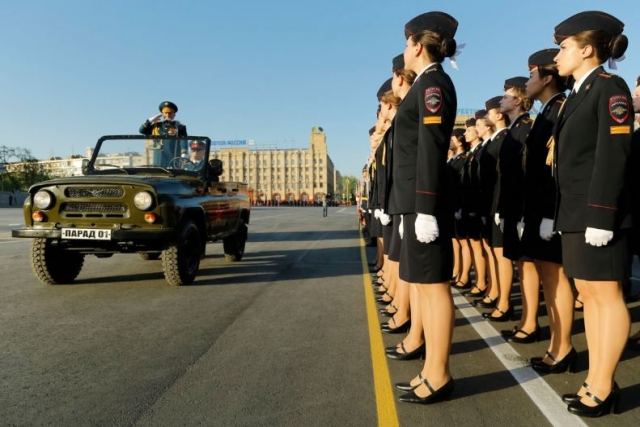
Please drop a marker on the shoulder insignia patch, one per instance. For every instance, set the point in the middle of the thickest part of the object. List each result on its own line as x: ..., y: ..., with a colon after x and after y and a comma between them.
x: 619, y: 108
x: 433, y: 98
x: 605, y: 75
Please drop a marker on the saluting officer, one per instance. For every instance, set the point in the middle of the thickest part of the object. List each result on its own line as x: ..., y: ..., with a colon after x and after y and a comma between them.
x: 592, y: 145
x: 424, y: 122
x: 165, y: 124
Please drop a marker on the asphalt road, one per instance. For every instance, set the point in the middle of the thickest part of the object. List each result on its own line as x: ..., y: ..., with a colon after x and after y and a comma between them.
x: 286, y: 337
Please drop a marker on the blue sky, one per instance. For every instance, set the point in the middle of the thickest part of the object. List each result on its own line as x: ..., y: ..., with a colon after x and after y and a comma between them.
x: 74, y: 70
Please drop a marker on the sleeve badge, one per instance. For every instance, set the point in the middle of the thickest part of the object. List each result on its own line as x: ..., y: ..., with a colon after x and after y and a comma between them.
x: 433, y: 99
x: 619, y: 108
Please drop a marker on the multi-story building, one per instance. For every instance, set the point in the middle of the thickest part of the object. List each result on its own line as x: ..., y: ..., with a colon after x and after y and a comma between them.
x: 283, y: 175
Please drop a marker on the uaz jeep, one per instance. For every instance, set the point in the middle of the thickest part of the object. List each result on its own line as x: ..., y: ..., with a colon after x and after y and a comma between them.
x: 155, y: 196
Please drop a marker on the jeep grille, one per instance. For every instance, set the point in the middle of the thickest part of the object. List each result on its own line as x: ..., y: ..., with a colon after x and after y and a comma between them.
x: 112, y: 192
x: 93, y: 210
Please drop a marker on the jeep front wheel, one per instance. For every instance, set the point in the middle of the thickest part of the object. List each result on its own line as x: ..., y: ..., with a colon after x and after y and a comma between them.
x: 234, y: 244
x: 181, y: 261
x: 52, y: 265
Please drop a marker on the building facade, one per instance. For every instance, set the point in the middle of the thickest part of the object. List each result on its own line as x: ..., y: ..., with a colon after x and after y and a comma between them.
x: 277, y: 176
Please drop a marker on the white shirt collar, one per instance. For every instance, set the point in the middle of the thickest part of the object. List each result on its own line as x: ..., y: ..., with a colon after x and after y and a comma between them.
x: 425, y: 69
x: 576, y: 86
x: 548, y: 101
x: 496, y: 133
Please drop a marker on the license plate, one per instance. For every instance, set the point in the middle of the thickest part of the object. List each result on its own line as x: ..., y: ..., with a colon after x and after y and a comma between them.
x: 86, y: 234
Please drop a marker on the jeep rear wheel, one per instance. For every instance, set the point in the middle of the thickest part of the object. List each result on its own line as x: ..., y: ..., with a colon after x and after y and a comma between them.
x: 234, y: 244
x: 149, y: 256
x: 181, y: 260
x: 52, y: 265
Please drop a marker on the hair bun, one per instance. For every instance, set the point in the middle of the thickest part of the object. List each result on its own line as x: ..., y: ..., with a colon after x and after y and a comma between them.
x: 618, y: 46
x: 448, y: 47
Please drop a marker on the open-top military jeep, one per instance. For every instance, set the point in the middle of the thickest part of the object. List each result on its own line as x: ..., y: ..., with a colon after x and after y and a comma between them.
x: 155, y: 196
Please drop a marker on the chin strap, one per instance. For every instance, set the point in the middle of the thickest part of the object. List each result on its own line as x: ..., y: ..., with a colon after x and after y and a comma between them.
x: 458, y: 52
x: 612, y: 62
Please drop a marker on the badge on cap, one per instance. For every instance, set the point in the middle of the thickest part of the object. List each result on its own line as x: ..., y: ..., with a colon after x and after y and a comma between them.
x: 619, y: 108
x: 433, y: 99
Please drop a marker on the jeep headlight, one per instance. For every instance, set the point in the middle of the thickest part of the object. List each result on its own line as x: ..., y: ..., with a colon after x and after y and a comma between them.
x: 43, y: 199
x: 143, y: 200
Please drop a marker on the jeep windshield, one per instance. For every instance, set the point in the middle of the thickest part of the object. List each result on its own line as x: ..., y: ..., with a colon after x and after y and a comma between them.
x: 133, y: 154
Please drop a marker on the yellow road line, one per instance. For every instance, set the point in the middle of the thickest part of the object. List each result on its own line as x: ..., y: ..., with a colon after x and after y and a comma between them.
x: 385, y: 400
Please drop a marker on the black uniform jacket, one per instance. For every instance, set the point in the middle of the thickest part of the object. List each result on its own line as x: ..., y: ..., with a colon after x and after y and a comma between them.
x: 593, y: 143
x: 539, y: 184
x: 378, y: 178
x: 456, y: 169
x: 388, y: 168
x: 423, y: 126
x: 511, y: 169
x: 470, y: 182
x: 488, y: 173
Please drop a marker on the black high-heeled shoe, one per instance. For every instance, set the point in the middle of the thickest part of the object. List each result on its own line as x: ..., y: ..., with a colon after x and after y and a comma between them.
x: 462, y: 287
x: 470, y: 292
x: 483, y: 304
x: 387, y: 313
x: 408, y: 386
x: 386, y: 327
x: 568, y: 363
x: 418, y: 353
x: 504, y: 315
x: 529, y: 337
x: 443, y: 393
x: 603, y: 407
x: 574, y: 397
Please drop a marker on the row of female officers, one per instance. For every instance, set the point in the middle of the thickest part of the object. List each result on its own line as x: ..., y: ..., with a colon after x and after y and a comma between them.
x: 549, y: 194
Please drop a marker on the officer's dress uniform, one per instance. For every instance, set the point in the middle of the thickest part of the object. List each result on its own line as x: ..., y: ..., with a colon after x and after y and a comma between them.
x: 423, y: 126
x: 456, y: 168
x: 511, y: 172
x: 470, y: 189
x: 540, y: 186
x: 374, y: 228
x: 386, y: 231
x: 490, y: 185
x: 170, y: 149
x: 395, y: 241
x: 592, y: 146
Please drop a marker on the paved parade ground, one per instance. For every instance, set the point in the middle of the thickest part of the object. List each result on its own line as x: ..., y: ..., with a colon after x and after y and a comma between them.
x: 289, y: 336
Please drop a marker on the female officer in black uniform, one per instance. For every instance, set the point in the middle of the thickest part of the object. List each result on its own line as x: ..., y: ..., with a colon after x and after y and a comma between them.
x: 592, y: 146
x: 423, y: 126
x: 538, y: 240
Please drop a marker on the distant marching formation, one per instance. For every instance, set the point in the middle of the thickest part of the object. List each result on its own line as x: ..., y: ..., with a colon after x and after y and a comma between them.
x: 552, y: 195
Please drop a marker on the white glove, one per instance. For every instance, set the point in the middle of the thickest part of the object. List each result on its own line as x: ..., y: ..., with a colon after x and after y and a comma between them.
x: 369, y: 211
x: 376, y: 213
x: 400, y: 229
x: 384, y: 218
x: 458, y: 214
x: 154, y: 118
x: 520, y: 228
x: 501, y: 224
x: 426, y: 228
x: 546, y: 229
x: 597, y: 237
x: 496, y: 218
x: 484, y: 220
x: 184, y: 156
x: 472, y: 214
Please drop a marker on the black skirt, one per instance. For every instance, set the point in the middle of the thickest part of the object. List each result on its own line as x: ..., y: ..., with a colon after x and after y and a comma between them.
x: 474, y: 227
x: 426, y: 263
x: 460, y: 228
x: 585, y: 262
x: 374, y: 228
x: 534, y: 247
x: 512, y: 245
x: 496, y: 239
x: 387, y: 231
x: 394, y: 241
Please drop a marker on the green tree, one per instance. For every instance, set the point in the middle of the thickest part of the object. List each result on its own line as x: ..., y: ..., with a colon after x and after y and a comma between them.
x: 348, y: 188
x: 22, y: 176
